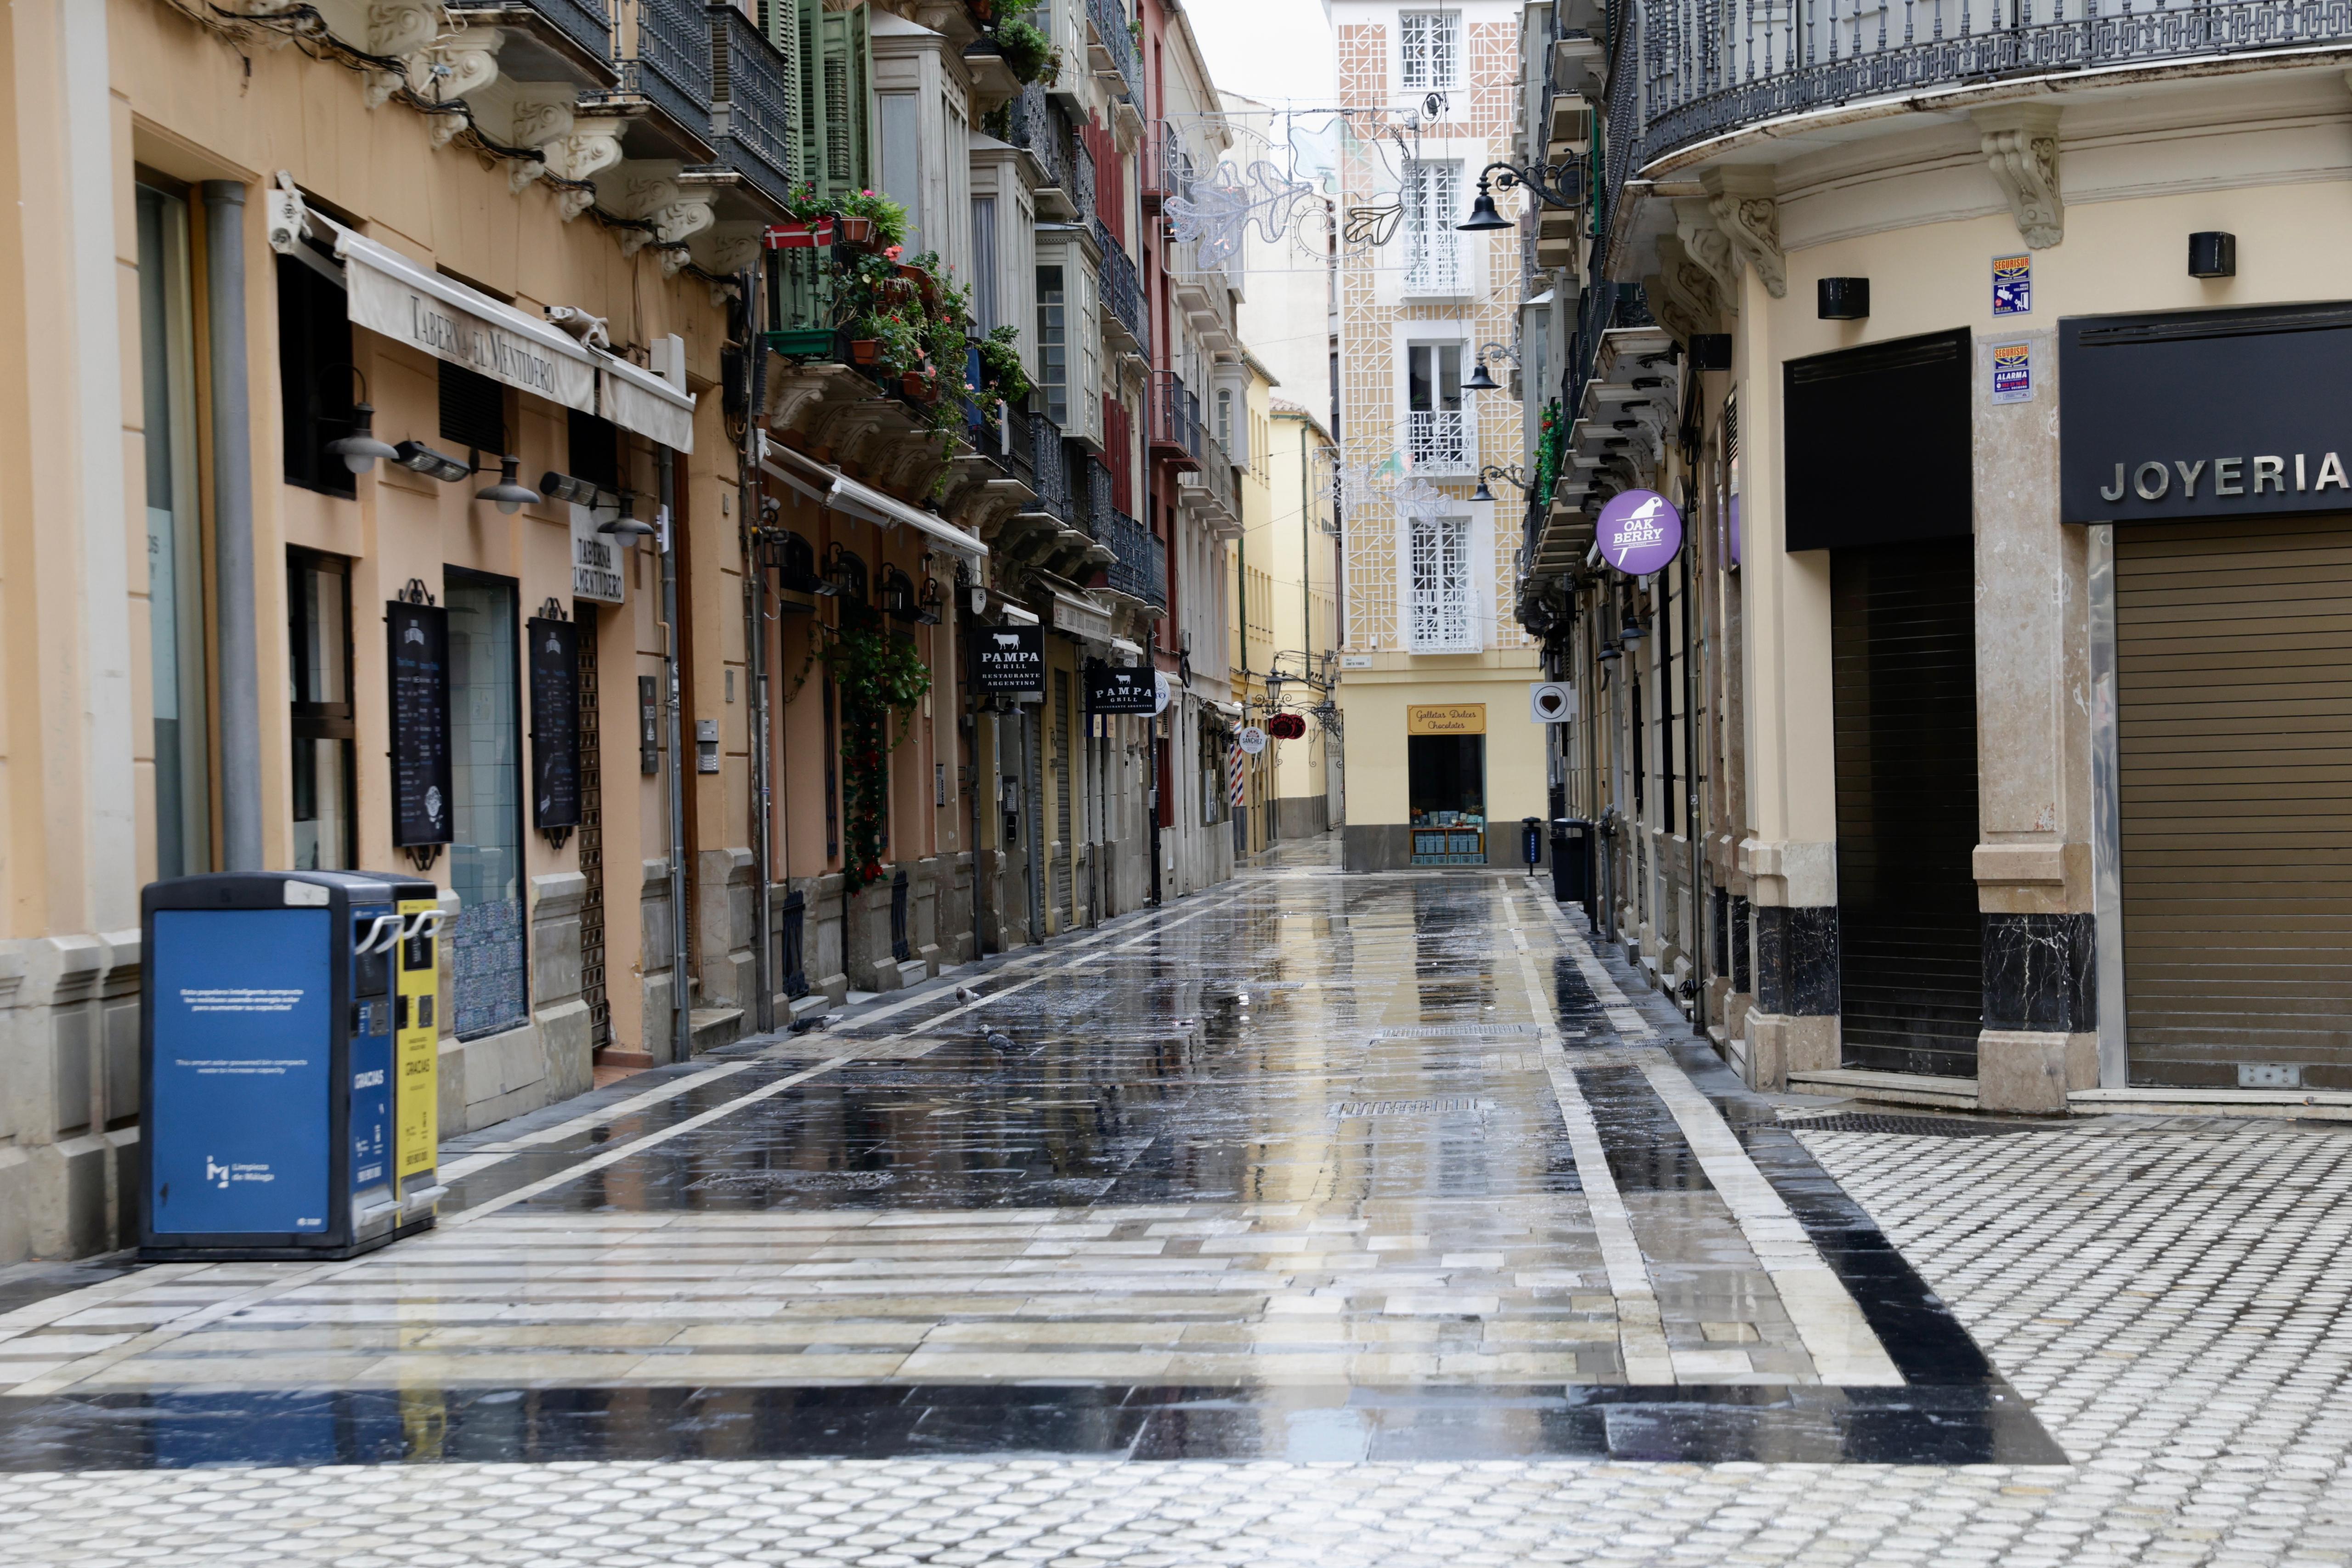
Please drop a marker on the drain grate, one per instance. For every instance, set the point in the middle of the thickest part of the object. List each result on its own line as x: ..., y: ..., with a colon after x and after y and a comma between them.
x: 1915, y: 1126
x: 1443, y: 1105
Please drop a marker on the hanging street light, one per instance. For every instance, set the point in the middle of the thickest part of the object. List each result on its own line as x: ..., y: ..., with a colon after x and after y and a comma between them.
x: 1543, y: 179
x: 510, y: 494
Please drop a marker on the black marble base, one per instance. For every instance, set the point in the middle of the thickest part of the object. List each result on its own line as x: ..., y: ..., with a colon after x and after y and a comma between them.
x: 2041, y: 973
x: 1796, y: 960
x: 1948, y: 1425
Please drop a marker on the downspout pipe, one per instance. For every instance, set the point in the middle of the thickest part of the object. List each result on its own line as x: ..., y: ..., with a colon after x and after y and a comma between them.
x: 749, y: 495
x: 681, y: 1000
x: 237, y: 619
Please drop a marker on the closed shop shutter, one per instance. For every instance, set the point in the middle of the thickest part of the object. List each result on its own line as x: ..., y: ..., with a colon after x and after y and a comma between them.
x: 2233, y: 685
x: 1910, y: 941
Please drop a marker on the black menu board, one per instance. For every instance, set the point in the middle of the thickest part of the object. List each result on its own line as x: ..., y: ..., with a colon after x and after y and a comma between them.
x: 554, y: 664
x: 1112, y: 689
x: 419, y: 636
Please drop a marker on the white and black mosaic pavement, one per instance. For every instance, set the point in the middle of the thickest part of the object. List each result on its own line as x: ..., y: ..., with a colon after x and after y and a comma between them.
x: 1363, y: 1219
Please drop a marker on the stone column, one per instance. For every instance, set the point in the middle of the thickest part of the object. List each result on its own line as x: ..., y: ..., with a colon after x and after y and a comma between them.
x: 2033, y: 752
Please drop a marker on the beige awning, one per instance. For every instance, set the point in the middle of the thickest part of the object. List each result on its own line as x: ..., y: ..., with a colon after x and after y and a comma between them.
x: 829, y: 487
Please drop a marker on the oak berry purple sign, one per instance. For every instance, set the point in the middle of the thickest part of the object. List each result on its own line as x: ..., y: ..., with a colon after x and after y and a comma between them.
x: 1639, y: 531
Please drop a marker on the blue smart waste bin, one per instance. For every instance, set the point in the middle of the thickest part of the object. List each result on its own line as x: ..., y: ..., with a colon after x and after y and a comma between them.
x: 286, y: 1041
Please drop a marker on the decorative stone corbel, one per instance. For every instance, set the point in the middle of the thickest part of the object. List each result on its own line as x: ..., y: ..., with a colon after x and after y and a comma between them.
x: 465, y: 63
x: 1740, y: 199
x: 542, y: 119
x: 653, y: 191
x: 1673, y: 309
x: 2020, y: 147
x: 398, y: 29
x: 1703, y: 246
x: 593, y: 147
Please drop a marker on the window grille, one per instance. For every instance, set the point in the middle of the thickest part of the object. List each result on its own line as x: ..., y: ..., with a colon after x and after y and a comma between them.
x: 1439, y: 434
x: 1429, y: 51
x: 1439, y: 614
x: 1433, y: 193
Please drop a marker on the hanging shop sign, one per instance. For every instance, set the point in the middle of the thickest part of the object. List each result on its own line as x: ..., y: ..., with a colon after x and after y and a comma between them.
x: 1445, y: 719
x: 1639, y: 531
x: 1551, y: 701
x: 1009, y: 659
x: 1287, y: 726
x: 1114, y: 688
x: 2195, y: 414
x: 1251, y: 740
x: 1162, y: 694
x: 554, y: 647
x: 419, y: 646
x: 595, y: 561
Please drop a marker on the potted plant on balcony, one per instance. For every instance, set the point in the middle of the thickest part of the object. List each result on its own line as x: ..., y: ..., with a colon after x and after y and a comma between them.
x: 1027, y: 52
x: 1000, y: 364
x: 874, y: 222
x: 808, y: 221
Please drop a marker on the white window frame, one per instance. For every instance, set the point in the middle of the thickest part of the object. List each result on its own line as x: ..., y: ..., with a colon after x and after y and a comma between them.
x: 1441, y: 587
x: 1435, y: 259
x: 1429, y: 51
x: 1427, y: 448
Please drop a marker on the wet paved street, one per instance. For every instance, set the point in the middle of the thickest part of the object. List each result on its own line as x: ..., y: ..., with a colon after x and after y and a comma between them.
x: 1359, y: 1220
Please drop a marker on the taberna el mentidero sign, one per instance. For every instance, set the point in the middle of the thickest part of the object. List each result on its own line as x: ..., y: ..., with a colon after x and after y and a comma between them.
x: 2205, y: 413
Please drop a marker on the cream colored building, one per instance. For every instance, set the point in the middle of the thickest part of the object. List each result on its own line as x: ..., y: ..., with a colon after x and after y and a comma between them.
x: 1983, y: 745
x: 1433, y: 687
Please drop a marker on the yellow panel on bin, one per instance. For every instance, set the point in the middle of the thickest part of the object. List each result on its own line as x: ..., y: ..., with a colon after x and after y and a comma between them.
x: 416, y: 1046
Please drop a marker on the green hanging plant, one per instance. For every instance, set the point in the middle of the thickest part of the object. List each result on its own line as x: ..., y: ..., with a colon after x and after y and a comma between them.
x: 877, y: 675
x: 1028, y: 53
x: 1000, y: 364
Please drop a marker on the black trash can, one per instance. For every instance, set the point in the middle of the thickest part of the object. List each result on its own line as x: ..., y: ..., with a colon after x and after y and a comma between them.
x: 1571, y: 861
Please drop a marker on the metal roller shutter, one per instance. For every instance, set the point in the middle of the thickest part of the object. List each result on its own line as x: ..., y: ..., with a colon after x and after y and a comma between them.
x: 1910, y: 941
x: 2233, y: 683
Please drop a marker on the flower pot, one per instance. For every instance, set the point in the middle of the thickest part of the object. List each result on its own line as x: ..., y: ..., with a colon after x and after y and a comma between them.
x: 920, y: 385
x: 799, y: 236
x: 865, y: 351
x: 857, y: 231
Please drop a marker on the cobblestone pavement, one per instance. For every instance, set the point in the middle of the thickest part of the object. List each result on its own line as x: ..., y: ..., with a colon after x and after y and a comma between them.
x: 1412, y: 1336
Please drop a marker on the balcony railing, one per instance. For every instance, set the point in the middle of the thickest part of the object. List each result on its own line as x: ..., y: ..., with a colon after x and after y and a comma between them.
x: 757, y: 86
x: 587, y: 23
x: 1441, y: 440
x: 1053, y: 470
x: 1138, y: 567
x: 1166, y: 164
x: 1712, y: 66
x: 672, y: 64
x: 1122, y: 290
x: 1113, y: 38
x: 1174, y: 420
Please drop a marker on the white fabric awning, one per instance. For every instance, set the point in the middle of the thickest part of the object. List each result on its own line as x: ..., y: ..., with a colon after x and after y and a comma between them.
x: 411, y: 304
x: 829, y: 487
x: 1080, y: 618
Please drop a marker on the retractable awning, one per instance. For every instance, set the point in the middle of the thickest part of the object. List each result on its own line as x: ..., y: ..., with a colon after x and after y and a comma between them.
x: 411, y: 304
x: 829, y: 487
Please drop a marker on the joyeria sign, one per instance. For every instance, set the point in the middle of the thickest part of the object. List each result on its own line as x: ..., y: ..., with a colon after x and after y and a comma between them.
x: 1639, y: 531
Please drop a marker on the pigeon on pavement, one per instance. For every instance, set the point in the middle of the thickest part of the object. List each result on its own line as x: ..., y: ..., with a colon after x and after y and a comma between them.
x: 965, y: 995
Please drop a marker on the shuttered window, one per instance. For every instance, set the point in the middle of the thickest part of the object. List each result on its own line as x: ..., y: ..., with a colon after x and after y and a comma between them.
x: 1903, y: 660
x: 2233, y: 696
x: 836, y: 74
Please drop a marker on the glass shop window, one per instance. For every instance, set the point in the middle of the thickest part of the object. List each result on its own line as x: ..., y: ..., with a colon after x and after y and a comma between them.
x: 319, y: 707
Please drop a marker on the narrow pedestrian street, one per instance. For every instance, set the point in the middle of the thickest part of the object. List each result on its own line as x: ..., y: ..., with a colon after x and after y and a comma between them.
x: 1384, y: 1183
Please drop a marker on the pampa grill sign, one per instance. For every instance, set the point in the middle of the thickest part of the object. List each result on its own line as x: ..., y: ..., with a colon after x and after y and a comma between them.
x: 1113, y: 689
x: 1009, y: 659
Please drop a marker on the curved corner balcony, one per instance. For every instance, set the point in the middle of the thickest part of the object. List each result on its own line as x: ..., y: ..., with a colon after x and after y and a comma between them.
x: 1711, y: 67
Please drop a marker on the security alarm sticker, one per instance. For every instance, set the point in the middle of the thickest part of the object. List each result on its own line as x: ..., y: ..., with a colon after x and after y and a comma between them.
x: 2012, y: 372
x: 2012, y: 285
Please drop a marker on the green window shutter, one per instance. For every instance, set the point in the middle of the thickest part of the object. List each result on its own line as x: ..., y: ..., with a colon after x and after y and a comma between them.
x: 835, y: 79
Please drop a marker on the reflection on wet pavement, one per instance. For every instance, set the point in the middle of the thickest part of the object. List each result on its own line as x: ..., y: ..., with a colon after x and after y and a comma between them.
x: 1310, y: 1166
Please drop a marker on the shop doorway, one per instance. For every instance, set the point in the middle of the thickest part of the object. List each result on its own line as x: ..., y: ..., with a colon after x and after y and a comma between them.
x: 485, y: 811
x: 2233, y: 752
x: 1910, y: 939
x: 1445, y: 782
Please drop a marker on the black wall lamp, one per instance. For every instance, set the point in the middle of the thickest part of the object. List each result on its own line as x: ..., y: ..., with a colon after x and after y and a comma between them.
x: 2212, y: 253
x: 626, y: 527
x: 1509, y: 475
x: 1543, y: 179
x: 510, y: 495
x: 1479, y: 380
x: 1843, y: 298
x: 359, y: 450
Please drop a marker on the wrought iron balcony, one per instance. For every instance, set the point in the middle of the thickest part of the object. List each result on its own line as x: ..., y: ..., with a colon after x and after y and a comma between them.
x: 755, y: 113
x: 1174, y: 421
x: 1138, y: 567
x: 1708, y: 67
x: 672, y: 63
x: 1122, y: 292
x: 1036, y: 129
x: 1111, y: 40
x: 587, y: 25
x: 1441, y: 440
x: 1167, y: 165
x: 1051, y: 469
